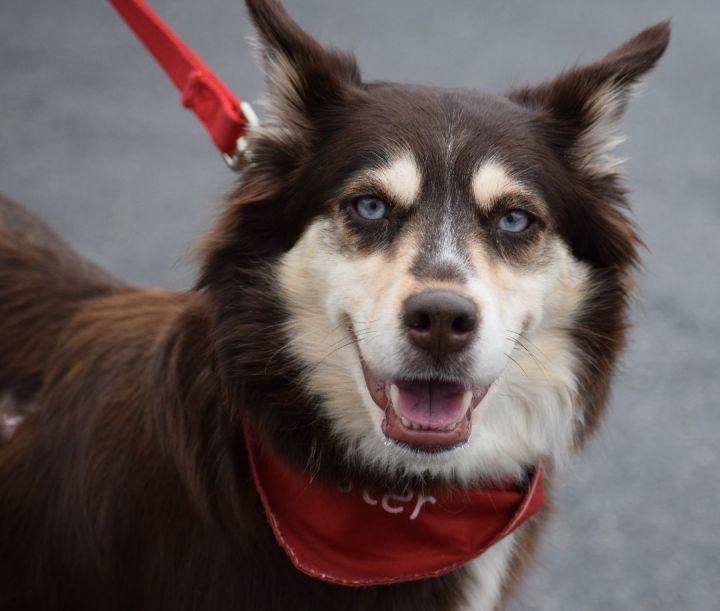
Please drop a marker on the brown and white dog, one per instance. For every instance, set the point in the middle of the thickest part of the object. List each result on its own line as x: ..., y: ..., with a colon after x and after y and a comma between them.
x: 409, y: 286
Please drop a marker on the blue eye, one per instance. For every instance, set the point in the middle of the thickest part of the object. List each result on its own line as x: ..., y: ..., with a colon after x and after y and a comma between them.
x: 514, y: 221
x: 371, y: 208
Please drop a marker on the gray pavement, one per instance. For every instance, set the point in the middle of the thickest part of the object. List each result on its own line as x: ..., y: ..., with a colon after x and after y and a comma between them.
x: 92, y: 137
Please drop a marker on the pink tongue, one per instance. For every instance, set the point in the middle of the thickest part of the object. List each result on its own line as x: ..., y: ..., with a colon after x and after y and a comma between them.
x: 431, y: 405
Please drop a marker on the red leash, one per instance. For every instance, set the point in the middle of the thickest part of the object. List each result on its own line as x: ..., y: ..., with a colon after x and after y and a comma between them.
x: 224, y: 116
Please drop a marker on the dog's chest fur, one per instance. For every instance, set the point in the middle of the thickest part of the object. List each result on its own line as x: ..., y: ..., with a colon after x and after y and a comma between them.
x: 487, y: 576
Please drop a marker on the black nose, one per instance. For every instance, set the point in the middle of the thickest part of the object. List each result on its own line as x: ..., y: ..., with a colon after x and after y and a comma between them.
x: 440, y: 321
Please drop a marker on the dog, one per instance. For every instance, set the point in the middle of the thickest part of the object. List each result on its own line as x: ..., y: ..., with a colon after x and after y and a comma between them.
x: 410, y: 289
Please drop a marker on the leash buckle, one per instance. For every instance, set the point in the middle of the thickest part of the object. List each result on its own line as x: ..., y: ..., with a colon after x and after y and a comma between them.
x: 240, y: 157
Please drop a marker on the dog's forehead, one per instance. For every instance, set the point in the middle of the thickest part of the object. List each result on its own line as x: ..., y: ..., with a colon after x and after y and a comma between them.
x: 439, y: 143
x: 402, y: 177
x: 444, y: 157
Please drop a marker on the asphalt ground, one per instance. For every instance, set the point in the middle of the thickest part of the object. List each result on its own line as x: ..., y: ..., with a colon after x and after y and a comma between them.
x: 93, y: 138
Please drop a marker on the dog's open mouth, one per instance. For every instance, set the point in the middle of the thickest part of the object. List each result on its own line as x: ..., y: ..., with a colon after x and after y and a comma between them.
x: 430, y: 415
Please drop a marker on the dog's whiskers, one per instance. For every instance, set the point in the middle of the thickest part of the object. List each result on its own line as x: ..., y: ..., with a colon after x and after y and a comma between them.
x: 299, y: 338
x: 353, y: 341
x: 536, y: 360
x: 520, y: 367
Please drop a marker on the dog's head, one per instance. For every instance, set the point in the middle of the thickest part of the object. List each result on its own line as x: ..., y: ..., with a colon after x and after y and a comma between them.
x: 419, y: 280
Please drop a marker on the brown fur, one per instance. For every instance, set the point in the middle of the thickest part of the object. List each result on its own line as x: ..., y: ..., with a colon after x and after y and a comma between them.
x: 127, y: 486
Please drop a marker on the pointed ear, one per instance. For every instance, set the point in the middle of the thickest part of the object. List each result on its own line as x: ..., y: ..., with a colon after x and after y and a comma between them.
x: 302, y: 75
x: 584, y: 105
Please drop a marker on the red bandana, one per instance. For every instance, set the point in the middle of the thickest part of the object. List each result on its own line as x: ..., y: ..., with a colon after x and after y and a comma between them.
x: 356, y: 537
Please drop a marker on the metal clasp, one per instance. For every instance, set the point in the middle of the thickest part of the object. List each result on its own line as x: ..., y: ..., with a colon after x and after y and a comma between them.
x: 240, y: 157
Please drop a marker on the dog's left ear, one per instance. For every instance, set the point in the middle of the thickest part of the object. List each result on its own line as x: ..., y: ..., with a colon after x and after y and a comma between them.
x: 303, y: 77
x: 584, y: 105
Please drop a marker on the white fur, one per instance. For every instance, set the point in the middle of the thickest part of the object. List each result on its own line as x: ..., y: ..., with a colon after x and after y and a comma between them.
x: 528, y: 414
x: 488, y: 573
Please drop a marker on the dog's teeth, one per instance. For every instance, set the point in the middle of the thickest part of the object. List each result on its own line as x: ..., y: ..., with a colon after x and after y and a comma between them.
x: 395, y: 399
x: 406, y: 423
x: 466, y: 400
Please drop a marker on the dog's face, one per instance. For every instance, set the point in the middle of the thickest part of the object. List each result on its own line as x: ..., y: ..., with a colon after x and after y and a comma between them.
x: 440, y: 252
x: 418, y: 295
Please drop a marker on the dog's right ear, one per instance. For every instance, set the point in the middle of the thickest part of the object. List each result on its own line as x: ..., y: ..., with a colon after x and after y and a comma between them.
x: 303, y: 77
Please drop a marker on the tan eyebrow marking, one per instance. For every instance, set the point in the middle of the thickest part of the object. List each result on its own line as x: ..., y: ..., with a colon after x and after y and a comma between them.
x: 492, y: 181
x: 401, y: 179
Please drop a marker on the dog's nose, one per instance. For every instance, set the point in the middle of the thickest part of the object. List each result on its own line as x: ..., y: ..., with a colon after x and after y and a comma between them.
x: 440, y: 321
